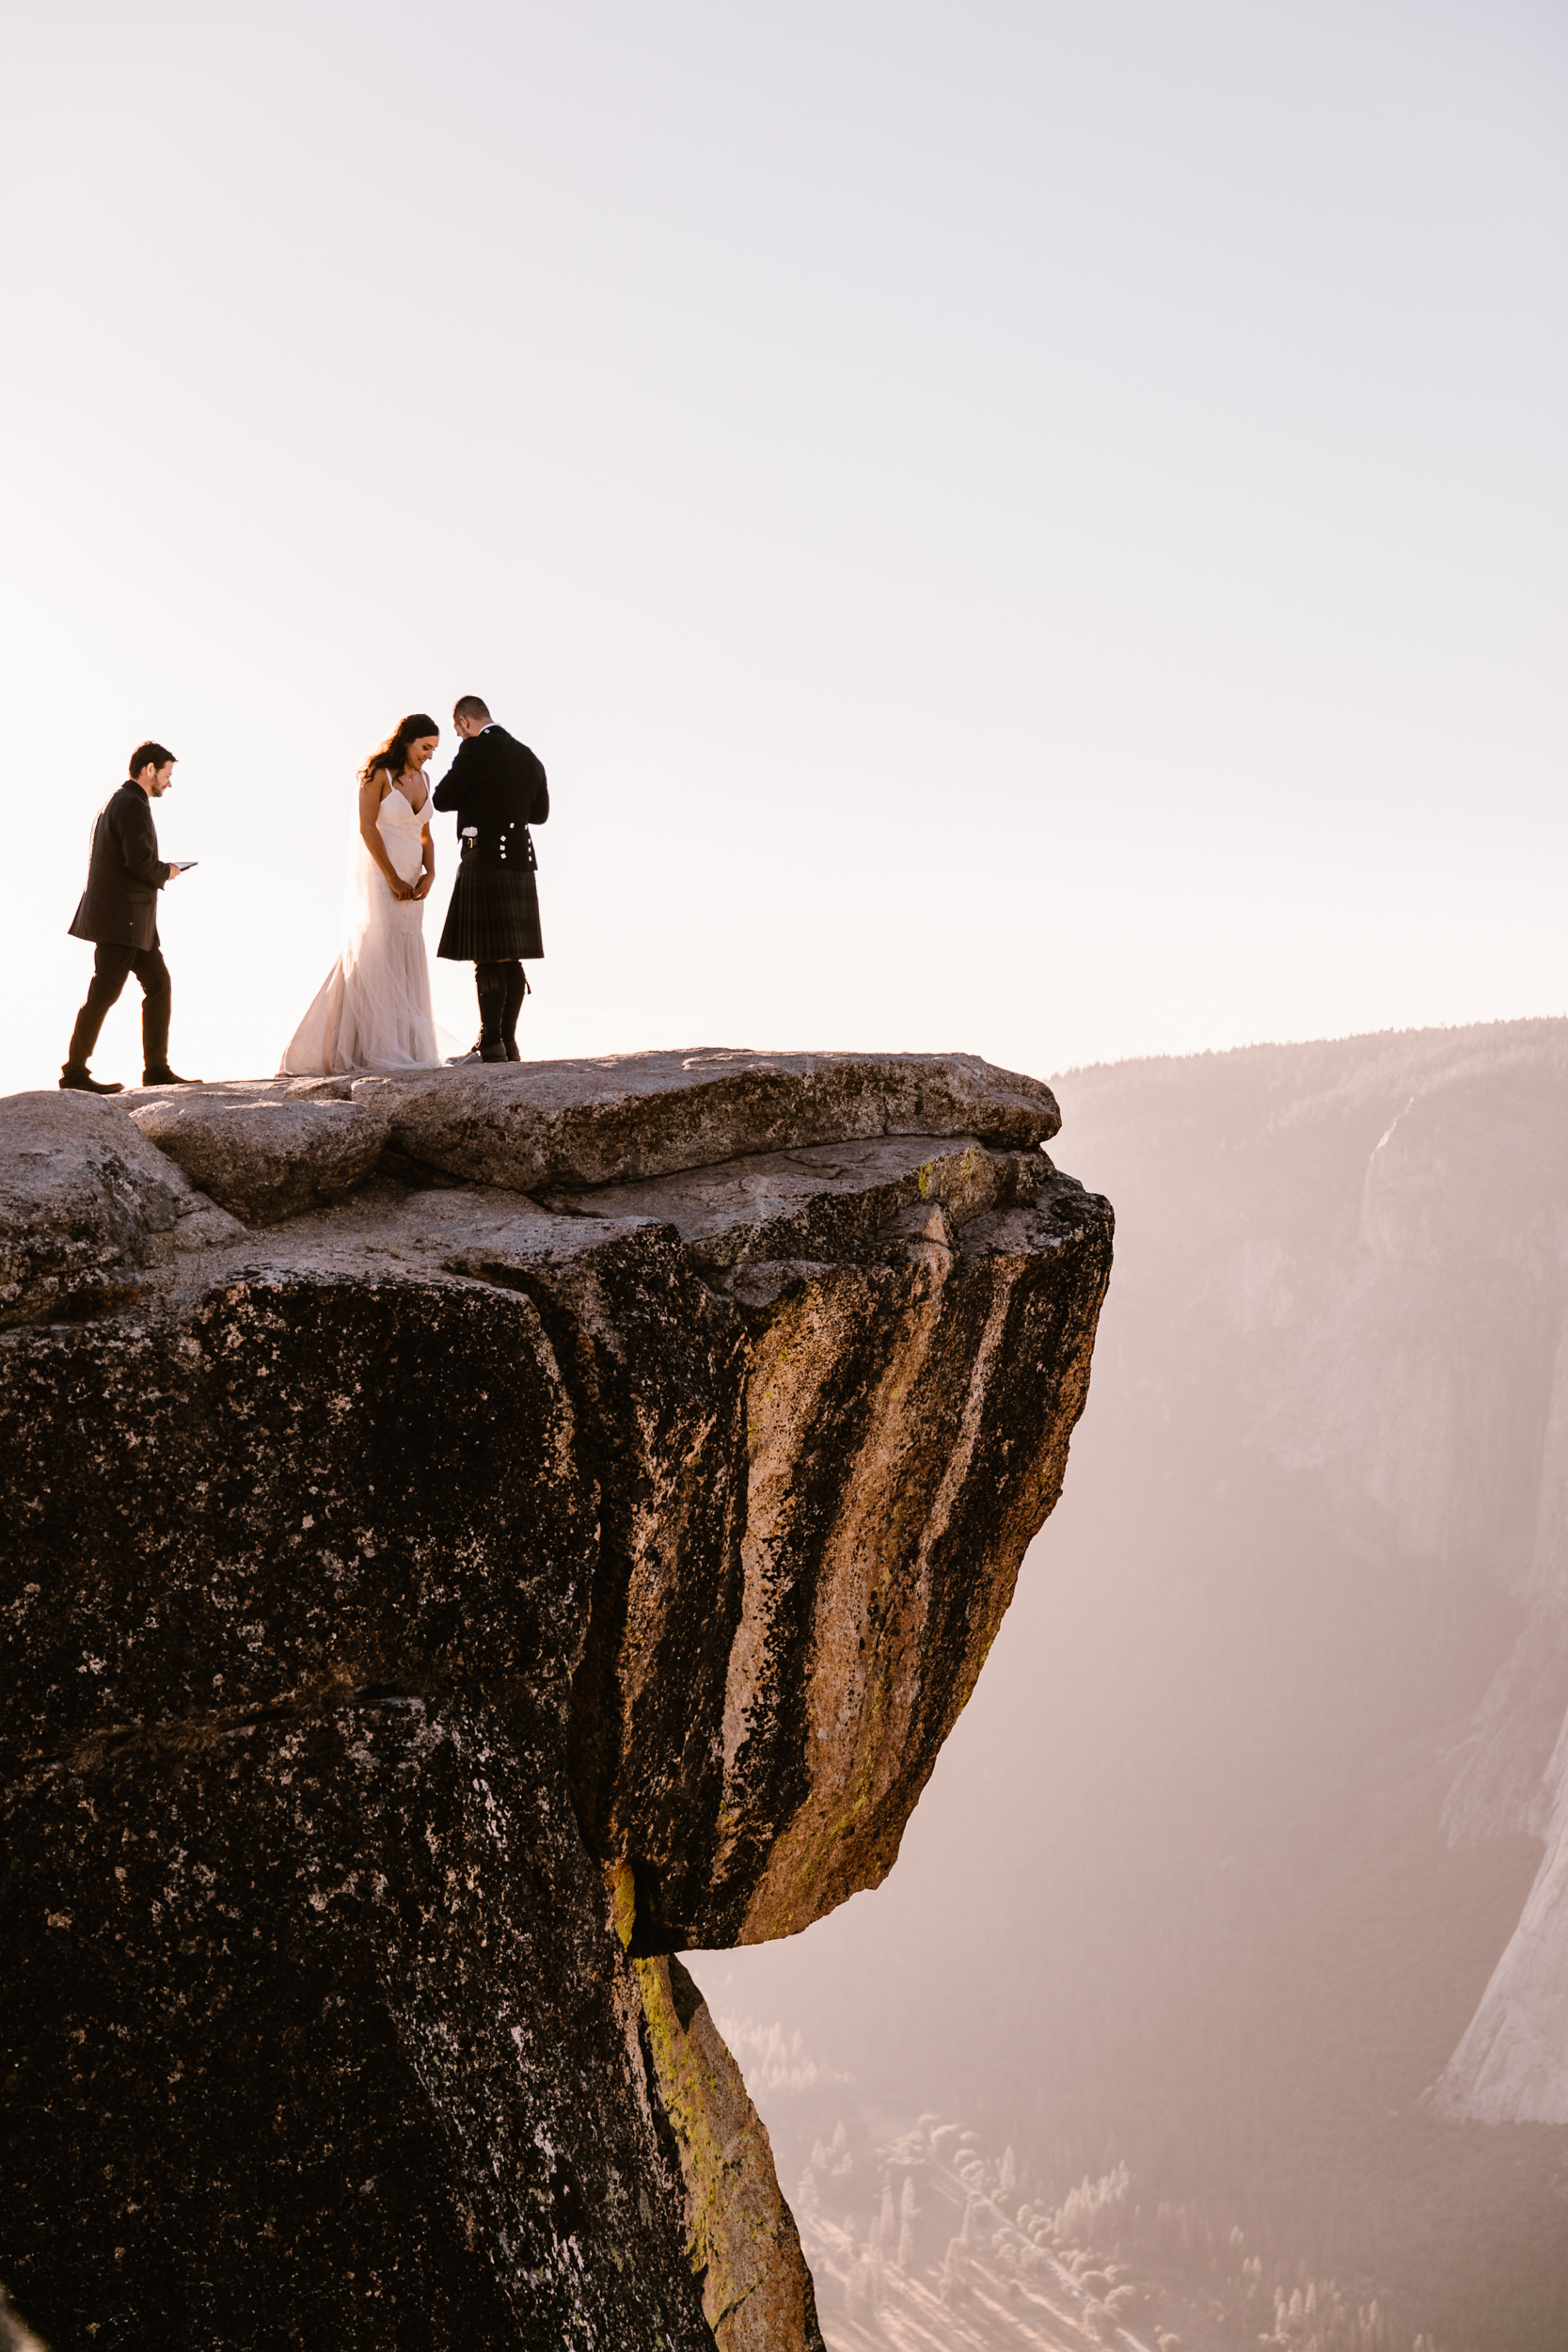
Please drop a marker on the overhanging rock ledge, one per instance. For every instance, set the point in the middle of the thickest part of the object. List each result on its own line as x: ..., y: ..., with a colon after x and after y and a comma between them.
x: 473, y: 1536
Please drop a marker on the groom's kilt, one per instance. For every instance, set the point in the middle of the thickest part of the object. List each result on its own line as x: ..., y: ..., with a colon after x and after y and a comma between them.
x: 493, y: 915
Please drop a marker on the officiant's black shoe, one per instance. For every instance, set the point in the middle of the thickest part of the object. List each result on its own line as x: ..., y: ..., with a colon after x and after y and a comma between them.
x: 494, y: 1052
x: 82, y: 1082
x: 166, y: 1077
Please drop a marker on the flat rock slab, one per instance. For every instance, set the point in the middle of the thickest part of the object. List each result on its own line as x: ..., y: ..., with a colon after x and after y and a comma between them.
x: 624, y: 1117
x: 268, y: 1157
x: 87, y: 1204
x: 821, y: 1202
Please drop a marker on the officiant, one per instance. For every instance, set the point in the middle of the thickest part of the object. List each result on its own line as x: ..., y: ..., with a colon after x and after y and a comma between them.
x: 119, y: 914
x: 497, y: 789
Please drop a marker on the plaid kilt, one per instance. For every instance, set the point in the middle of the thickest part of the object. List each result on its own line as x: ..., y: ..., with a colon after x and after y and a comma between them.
x: 494, y: 915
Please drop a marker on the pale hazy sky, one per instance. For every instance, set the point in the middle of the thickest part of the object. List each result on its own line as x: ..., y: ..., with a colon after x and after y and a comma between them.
x: 1031, y: 527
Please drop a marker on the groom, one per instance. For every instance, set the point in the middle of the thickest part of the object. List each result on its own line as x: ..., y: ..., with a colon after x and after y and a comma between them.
x: 498, y: 791
x: 118, y: 912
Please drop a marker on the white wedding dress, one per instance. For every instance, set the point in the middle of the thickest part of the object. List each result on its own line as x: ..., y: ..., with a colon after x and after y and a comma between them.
x: 372, y: 1011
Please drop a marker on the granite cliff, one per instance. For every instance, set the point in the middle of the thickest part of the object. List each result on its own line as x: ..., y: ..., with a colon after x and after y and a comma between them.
x: 472, y: 1537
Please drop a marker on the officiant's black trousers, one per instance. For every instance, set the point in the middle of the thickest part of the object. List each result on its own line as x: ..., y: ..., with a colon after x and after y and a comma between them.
x: 112, y: 966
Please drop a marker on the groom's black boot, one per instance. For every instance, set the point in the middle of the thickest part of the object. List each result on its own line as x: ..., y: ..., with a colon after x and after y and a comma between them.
x: 490, y: 983
x: 516, y: 988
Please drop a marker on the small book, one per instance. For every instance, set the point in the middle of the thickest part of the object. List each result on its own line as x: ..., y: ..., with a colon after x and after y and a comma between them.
x: 184, y: 864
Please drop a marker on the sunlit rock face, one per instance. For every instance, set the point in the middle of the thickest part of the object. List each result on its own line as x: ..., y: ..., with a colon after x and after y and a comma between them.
x: 430, y: 1610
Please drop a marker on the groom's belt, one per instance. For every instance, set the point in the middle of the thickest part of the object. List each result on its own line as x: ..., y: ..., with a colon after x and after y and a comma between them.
x: 504, y: 845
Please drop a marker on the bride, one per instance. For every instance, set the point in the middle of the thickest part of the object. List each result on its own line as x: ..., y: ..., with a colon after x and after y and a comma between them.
x: 372, y: 1011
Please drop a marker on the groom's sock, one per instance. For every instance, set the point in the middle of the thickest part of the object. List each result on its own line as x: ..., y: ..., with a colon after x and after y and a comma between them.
x: 490, y: 983
x: 516, y: 988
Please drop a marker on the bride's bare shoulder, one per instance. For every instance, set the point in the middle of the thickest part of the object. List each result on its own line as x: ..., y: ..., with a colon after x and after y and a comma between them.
x: 378, y: 781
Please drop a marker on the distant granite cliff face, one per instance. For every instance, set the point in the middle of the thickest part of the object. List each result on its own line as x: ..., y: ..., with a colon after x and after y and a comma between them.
x: 1379, y: 1227
x: 472, y: 1537
x: 1482, y: 1414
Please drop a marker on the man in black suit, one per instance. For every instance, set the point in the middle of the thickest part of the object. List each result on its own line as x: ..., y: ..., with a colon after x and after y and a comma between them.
x: 498, y: 789
x: 120, y: 915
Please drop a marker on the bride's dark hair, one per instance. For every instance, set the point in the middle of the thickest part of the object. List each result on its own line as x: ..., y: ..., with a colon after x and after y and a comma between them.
x: 394, y: 752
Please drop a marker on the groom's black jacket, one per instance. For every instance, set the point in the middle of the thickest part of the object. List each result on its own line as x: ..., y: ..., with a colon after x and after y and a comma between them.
x: 497, y: 786
x: 120, y: 905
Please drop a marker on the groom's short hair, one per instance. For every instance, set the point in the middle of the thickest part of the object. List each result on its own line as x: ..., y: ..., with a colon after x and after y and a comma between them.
x: 469, y: 706
x: 146, y: 754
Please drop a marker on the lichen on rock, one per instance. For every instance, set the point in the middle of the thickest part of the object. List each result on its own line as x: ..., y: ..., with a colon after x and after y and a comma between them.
x: 742, y: 2243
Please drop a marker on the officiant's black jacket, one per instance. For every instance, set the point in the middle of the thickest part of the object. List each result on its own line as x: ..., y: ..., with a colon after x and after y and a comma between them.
x: 497, y: 786
x: 120, y: 905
